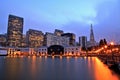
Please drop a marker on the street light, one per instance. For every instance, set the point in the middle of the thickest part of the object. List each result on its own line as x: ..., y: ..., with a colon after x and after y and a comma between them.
x: 111, y: 43
x: 105, y: 46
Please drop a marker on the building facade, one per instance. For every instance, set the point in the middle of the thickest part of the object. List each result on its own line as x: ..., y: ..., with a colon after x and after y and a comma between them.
x: 71, y: 37
x: 72, y: 50
x: 24, y: 41
x: 34, y: 38
x: 3, y: 39
x: 15, y: 31
x: 83, y: 41
x: 58, y: 32
x: 42, y: 50
x: 53, y: 39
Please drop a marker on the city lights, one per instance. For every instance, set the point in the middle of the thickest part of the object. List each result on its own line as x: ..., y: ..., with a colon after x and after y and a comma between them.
x: 60, y: 40
x: 111, y: 43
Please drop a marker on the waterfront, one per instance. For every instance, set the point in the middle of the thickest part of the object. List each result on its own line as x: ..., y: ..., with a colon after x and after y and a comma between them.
x: 56, y: 68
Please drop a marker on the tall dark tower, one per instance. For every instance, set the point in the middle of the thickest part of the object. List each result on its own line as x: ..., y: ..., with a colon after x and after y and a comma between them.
x: 92, y: 40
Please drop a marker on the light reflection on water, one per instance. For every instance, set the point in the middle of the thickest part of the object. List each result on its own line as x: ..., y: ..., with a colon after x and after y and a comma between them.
x: 48, y: 68
x: 104, y: 71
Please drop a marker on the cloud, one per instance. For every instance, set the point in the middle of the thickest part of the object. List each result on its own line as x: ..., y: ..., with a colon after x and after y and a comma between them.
x: 69, y: 15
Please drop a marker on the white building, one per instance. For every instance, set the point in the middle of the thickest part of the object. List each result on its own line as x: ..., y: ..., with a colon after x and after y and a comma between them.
x: 42, y: 50
x: 72, y: 50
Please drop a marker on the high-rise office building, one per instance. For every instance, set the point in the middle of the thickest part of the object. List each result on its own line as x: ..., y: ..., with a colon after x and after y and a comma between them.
x: 71, y: 37
x: 92, y: 34
x: 14, y: 31
x: 34, y: 38
x: 83, y: 41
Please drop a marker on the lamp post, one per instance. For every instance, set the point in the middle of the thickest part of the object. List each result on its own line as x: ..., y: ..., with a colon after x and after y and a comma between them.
x: 111, y: 45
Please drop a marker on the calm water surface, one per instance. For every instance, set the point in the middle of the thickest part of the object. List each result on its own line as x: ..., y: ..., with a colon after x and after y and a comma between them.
x: 36, y: 68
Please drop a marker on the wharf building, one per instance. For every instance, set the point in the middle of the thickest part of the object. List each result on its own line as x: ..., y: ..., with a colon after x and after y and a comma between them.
x: 42, y: 50
x: 14, y: 31
x: 19, y: 51
x: 35, y: 38
x: 59, y: 43
x: 72, y: 50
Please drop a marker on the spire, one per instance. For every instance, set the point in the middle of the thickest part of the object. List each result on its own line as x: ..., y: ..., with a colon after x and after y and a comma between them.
x: 92, y: 34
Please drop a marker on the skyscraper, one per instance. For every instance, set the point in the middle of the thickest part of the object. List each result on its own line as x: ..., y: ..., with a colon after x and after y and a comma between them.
x: 92, y: 41
x: 14, y: 31
x: 83, y: 41
x: 91, y: 35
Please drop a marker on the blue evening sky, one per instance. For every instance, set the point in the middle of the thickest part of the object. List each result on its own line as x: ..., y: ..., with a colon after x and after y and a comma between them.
x: 69, y: 15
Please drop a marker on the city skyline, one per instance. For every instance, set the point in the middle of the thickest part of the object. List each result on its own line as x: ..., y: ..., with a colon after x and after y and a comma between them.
x: 50, y: 15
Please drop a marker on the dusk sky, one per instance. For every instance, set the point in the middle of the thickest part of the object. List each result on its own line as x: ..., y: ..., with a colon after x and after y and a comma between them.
x: 69, y: 15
